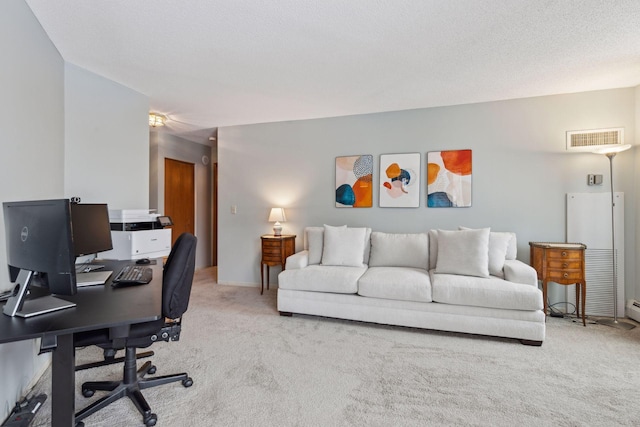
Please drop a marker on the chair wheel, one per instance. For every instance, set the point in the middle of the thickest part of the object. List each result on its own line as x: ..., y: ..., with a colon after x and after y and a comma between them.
x: 152, y: 370
x: 79, y: 424
x: 187, y: 382
x: 151, y: 420
x: 87, y: 393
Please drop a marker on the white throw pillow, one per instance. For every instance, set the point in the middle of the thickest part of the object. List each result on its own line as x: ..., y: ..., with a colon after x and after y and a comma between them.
x: 498, y: 245
x: 343, y: 246
x: 464, y: 252
x: 433, y: 249
x: 399, y: 250
x: 315, y: 239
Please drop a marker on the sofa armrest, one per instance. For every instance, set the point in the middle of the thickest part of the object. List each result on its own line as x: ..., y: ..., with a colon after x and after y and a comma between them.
x: 297, y: 261
x: 518, y: 272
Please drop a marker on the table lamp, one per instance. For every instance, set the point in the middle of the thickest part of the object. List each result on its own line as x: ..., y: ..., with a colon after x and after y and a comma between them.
x: 277, y: 215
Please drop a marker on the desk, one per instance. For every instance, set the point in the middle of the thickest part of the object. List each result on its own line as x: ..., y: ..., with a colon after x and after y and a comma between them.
x: 562, y: 263
x: 98, y: 307
x: 275, y: 250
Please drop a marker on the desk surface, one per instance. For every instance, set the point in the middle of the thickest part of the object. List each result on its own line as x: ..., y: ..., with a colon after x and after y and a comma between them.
x: 99, y: 306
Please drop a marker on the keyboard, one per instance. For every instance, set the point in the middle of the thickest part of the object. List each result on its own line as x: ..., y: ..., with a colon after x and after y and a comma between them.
x: 133, y: 275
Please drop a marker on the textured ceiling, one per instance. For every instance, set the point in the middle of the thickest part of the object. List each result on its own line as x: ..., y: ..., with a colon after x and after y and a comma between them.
x: 211, y: 63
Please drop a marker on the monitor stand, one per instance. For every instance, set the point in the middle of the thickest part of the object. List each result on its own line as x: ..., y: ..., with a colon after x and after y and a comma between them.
x: 42, y: 305
x: 18, y: 305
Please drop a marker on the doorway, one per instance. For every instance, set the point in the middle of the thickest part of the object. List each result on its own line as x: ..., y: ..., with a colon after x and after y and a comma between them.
x: 179, y: 196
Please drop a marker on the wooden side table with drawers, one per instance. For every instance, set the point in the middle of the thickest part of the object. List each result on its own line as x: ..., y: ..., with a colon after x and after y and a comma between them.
x: 561, y: 263
x: 275, y: 250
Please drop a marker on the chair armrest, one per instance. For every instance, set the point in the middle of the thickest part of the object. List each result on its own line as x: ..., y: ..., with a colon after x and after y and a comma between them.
x: 297, y: 261
x: 518, y: 272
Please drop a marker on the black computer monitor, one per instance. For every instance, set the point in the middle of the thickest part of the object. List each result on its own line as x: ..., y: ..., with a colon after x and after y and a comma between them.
x: 90, y: 228
x: 39, y: 251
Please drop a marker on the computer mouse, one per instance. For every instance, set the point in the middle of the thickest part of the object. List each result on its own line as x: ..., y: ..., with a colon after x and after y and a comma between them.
x: 143, y: 261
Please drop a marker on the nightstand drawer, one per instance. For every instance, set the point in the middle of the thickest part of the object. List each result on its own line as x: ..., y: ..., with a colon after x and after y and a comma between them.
x: 564, y: 275
x: 275, y: 256
x: 272, y: 251
x: 564, y: 265
x: 564, y: 254
x: 271, y: 243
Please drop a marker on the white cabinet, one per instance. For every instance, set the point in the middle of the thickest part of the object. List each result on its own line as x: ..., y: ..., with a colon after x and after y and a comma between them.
x: 139, y: 244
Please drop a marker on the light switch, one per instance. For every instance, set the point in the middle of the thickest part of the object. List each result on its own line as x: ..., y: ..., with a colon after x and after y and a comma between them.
x: 594, y: 179
x: 234, y: 209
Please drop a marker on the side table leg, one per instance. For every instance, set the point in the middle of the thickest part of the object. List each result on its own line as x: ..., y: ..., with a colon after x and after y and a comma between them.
x: 578, y: 289
x: 544, y: 297
x: 261, y: 278
x: 267, y: 276
x: 584, y: 300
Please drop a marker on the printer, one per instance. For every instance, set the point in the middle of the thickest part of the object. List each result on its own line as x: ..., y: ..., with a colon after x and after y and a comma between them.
x: 138, y: 233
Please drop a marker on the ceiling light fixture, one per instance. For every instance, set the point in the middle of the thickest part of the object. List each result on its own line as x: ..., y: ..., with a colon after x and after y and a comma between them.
x: 156, y: 119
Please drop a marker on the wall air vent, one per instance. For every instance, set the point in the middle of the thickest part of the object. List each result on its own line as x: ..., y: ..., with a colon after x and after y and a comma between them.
x: 589, y: 140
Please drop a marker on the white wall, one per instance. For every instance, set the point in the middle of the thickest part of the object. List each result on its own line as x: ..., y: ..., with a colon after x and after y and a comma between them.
x: 31, y: 155
x: 54, y: 143
x: 521, y: 171
x: 163, y: 145
x: 636, y: 190
x: 106, y: 141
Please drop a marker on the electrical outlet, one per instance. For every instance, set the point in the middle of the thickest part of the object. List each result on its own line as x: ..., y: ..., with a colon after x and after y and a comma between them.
x: 234, y: 209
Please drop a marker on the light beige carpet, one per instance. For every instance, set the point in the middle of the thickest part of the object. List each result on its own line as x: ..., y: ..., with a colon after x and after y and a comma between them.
x: 252, y: 367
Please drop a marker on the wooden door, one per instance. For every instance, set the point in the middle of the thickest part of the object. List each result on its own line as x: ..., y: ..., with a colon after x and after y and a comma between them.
x: 179, y: 196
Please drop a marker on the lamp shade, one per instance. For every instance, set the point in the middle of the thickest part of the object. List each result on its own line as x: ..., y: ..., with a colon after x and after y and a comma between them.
x: 277, y: 215
x: 612, y: 149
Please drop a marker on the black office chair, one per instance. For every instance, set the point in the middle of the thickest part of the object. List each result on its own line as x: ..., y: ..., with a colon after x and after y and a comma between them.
x: 176, y: 289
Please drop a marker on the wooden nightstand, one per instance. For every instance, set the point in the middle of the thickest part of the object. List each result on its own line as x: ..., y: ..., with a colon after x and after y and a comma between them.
x: 562, y: 263
x: 275, y: 250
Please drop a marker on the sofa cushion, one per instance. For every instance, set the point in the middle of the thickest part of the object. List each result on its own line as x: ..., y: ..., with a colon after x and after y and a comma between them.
x: 502, y: 245
x: 433, y: 249
x: 321, y: 278
x: 464, y: 252
x: 399, y: 250
x: 343, y: 246
x: 313, y: 243
x: 482, y: 292
x: 398, y: 283
x: 498, y: 247
x: 512, y: 248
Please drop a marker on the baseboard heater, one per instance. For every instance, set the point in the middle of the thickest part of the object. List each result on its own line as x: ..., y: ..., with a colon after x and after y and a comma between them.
x: 633, y: 309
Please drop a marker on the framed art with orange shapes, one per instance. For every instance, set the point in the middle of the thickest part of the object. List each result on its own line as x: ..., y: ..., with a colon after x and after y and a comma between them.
x: 449, y: 179
x: 400, y: 180
x: 354, y: 181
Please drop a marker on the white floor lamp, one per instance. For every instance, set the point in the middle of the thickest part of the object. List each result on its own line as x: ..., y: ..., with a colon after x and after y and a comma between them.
x: 611, y: 152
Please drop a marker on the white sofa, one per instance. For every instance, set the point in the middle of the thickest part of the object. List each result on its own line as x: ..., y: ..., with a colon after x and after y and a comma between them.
x: 463, y: 280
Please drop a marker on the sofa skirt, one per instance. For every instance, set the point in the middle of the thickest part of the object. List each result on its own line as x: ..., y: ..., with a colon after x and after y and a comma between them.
x: 518, y: 324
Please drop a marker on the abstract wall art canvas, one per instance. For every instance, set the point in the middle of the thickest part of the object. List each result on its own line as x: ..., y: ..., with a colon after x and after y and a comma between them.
x: 449, y: 179
x: 400, y: 180
x: 354, y: 181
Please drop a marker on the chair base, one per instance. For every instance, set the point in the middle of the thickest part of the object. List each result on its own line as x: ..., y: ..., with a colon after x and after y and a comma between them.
x: 132, y: 383
x: 111, y: 361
